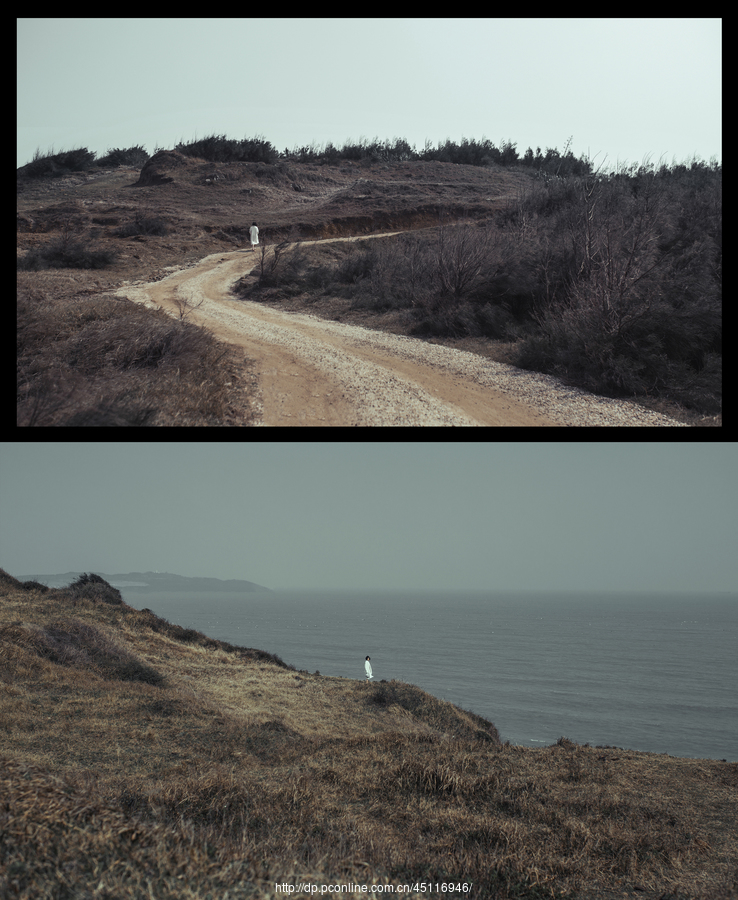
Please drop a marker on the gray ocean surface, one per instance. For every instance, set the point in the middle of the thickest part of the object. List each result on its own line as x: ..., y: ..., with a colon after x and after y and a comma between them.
x: 653, y: 672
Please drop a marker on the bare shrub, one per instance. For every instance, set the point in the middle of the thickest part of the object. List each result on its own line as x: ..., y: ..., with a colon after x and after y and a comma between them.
x: 95, y: 587
x: 58, y: 164
x: 460, y: 258
x: 131, y: 156
x: 66, y: 253
x: 186, y: 305
x: 143, y: 222
x: 269, y: 263
x: 633, y: 307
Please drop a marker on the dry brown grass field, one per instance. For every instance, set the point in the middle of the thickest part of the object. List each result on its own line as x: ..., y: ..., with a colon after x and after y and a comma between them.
x: 144, y: 760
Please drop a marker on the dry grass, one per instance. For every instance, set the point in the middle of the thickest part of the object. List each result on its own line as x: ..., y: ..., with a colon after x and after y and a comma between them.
x: 89, y: 359
x: 140, y: 759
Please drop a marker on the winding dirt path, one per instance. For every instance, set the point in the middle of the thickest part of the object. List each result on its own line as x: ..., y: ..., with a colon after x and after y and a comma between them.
x: 315, y: 372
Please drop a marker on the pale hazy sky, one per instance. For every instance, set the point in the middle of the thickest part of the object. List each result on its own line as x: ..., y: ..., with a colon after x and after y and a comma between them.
x: 507, y: 516
x: 624, y: 88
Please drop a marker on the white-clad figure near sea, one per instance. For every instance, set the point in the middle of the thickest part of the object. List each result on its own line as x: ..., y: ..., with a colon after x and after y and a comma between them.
x: 254, y: 234
x: 368, y: 667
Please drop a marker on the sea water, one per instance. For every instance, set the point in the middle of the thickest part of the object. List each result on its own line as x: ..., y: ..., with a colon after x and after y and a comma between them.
x: 653, y: 672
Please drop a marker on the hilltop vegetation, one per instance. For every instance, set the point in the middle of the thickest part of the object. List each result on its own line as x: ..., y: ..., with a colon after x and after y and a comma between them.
x: 139, y: 758
x: 221, y: 148
x: 79, y: 159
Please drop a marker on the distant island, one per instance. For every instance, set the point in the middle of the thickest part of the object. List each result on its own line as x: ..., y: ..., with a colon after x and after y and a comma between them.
x: 148, y: 582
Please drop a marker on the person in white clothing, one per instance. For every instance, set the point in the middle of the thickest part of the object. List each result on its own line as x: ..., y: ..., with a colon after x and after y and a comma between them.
x: 368, y: 667
x: 254, y: 233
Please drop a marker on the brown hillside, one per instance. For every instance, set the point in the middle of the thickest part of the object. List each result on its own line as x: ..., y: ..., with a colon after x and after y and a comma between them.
x: 139, y: 368
x: 84, y: 237
x: 209, y: 206
x: 138, y: 758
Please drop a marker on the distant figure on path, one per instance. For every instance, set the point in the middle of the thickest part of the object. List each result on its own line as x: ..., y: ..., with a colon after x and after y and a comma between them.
x: 254, y: 232
x: 368, y: 667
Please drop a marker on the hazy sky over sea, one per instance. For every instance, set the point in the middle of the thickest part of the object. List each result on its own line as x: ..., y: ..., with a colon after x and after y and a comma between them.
x: 623, y: 88
x: 394, y: 516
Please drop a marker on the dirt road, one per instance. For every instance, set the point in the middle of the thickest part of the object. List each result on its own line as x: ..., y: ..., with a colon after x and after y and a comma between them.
x: 316, y: 372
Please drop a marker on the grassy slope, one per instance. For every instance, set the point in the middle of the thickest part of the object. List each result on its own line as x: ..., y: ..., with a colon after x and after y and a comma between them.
x: 142, y: 759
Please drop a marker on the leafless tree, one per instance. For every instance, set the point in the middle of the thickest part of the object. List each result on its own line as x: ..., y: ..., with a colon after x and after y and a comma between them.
x: 462, y: 254
x: 617, y: 243
x: 270, y: 262
x: 185, y: 305
x: 416, y: 268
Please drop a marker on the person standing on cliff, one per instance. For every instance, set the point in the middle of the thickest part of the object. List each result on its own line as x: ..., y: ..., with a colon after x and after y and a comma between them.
x: 368, y: 667
x: 254, y: 234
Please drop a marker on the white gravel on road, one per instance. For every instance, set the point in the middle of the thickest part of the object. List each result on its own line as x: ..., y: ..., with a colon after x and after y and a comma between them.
x: 390, y: 399
x: 564, y: 404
